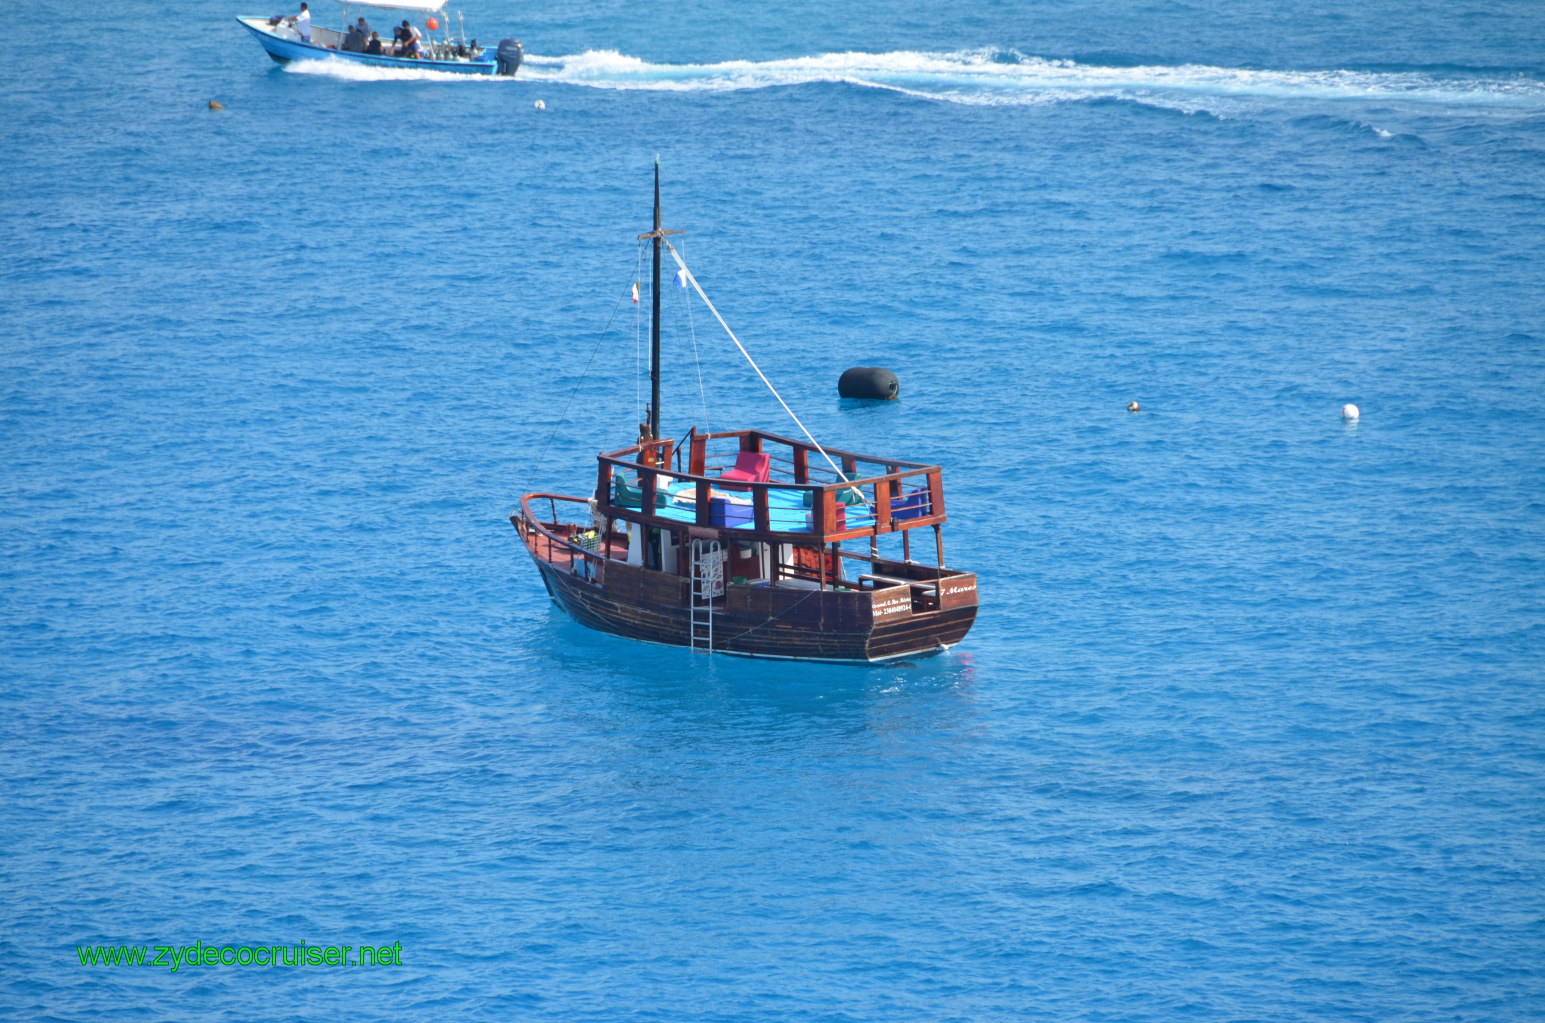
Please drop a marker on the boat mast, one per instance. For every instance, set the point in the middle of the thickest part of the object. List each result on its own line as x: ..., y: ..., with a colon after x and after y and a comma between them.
x: 658, y: 237
x: 654, y: 320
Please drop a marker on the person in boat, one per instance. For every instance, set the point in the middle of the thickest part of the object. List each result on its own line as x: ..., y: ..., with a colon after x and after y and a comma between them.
x: 302, y: 23
x: 357, y: 37
x: 406, y: 36
x: 374, y: 46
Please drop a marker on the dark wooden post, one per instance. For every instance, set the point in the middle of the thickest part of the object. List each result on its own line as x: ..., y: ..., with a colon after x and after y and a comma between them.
x: 647, y: 482
x: 603, y: 483
x: 761, y: 520
x: 935, y: 494
x: 654, y: 321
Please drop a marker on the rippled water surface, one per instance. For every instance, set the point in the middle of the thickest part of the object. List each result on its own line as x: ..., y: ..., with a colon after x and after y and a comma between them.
x: 1249, y: 728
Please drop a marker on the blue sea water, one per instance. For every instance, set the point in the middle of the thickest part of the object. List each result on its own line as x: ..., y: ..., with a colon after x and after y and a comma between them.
x: 1249, y: 728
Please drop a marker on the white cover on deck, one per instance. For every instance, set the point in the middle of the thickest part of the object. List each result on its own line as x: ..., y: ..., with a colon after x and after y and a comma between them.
x: 422, y: 6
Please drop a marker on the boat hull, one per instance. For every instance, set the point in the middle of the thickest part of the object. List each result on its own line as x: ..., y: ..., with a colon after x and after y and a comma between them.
x: 283, y: 50
x: 846, y: 626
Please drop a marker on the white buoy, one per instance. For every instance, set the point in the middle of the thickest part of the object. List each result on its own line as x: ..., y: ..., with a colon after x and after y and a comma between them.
x: 1349, y: 412
x: 540, y: 105
x: 1133, y: 406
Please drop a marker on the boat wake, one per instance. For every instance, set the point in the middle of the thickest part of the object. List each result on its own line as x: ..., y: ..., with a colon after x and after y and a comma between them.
x: 1006, y: 77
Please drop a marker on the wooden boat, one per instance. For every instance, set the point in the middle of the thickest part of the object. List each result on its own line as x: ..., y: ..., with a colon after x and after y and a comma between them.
x: 283, y: 43
x: 732, y: 542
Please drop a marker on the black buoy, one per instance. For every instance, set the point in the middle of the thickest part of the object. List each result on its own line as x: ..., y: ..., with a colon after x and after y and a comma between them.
x: 508, y: 57
x: 869, y: 382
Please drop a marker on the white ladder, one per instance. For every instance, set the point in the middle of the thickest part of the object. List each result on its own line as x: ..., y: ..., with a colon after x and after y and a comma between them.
x: 707, y: 583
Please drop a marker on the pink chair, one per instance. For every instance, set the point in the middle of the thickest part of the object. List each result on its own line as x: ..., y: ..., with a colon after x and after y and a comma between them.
x: 750, y: 467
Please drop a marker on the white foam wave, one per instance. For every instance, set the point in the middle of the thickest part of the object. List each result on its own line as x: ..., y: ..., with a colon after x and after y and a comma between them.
x: 1002, y: 77
x: 352, y: 72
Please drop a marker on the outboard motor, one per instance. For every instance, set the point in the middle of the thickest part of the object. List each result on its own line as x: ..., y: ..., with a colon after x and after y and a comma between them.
x: 869, y: 382
x: 509, y: 57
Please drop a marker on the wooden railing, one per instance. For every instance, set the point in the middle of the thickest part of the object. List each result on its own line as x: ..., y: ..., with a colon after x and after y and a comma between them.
x: 901, y: 495
x: 547, y: 541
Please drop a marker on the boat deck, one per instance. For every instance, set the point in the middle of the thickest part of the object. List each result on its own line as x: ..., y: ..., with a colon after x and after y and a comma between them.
x: 563, y: 556
x: 787, y: 511
x: 790, y: 498
x: 581, y: 551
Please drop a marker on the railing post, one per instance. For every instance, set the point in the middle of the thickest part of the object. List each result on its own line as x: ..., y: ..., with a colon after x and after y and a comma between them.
x: 824, y: 514
x: 761, y: 520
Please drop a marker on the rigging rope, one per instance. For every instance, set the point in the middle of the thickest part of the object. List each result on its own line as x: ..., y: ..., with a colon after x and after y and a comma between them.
x: 681, y: 310
x: 702, y: 295
x: 638, y: 343
x: 697, y: 362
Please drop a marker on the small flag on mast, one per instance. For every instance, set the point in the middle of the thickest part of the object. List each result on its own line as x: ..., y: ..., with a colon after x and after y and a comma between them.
x: 635, y: 292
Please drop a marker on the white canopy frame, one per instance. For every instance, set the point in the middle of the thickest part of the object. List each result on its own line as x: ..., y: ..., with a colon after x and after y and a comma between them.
x: 418, y: 6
